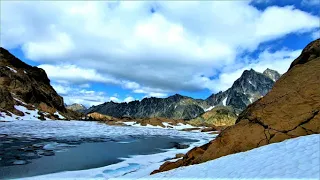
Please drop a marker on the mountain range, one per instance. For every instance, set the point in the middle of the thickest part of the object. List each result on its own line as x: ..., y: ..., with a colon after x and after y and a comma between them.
x: 248, y: 88
x: 24, y: 85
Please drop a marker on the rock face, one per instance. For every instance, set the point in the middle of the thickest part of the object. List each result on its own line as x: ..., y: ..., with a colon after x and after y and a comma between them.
x: 289, y: 110
x: 25, y: 85
x: 248, y: 88
x: 218, y: 116
x: 77, y: 107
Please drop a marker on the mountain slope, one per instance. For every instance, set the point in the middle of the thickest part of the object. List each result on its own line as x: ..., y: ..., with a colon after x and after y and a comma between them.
x: 290, y: 109
x: 245, y: 90
x: 25, y: 88
x: 218, y: 116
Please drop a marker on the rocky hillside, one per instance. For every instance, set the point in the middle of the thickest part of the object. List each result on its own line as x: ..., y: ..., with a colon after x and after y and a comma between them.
x: 26, y: 87
x: 76, y: 107
x: 218, y: 116
x: 289, y: 110
x: 247, y: 89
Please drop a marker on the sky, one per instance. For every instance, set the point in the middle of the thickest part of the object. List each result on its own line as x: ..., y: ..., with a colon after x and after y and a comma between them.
x: 99, y: 51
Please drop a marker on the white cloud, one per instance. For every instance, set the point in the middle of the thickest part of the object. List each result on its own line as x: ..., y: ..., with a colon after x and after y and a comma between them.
x: 114, y: 99
x: 177, y: 48
x: 75, y: 74
x: 279, y: 61
x: 128, y: 99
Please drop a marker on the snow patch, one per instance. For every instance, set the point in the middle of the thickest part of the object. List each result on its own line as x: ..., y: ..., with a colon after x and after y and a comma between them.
x: 11, y: 69
x: 251, y: 99
x: 59, y: 115
x: 209, y: 109
x: 166, y: 125
x: 224, y: 102
x: 28, y: 114
x: 20, y: 101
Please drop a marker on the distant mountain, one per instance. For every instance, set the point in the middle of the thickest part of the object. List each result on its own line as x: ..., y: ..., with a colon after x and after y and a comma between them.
x: 174, y: 107
x: 26, y: 93
x: 272, y: 74
x: 248, y: 88
x: 76, y: 107
x: 245, y: 90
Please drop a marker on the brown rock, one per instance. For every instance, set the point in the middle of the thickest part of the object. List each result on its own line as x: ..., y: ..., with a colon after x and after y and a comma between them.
x: 290, y: 109
x: 101, y: 117
x: 180, y: 155
x: 218, y: 116
x: 30, y: 84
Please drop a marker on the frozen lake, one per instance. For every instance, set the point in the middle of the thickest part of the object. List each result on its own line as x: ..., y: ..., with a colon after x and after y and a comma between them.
x: 30, y: 148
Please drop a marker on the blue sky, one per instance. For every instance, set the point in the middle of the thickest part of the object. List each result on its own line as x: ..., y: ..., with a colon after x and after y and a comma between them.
x: 121, y: 51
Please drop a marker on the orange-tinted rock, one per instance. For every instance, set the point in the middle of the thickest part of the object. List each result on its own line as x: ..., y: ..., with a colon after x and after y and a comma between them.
x: 290, y: 109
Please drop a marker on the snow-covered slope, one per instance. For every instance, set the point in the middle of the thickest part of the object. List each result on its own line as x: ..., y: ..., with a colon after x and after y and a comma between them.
x: 297, y: 158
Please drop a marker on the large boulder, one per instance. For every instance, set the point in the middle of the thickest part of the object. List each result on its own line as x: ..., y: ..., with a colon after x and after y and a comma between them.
x: 289, y: 110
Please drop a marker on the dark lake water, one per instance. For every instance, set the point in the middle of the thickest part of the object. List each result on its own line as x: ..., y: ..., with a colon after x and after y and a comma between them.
x: 25, y: 157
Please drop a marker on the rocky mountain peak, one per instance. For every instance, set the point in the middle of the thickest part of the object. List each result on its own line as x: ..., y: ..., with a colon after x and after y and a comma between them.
x: 245, y: 90
x: 272, y: 74
x: 76, y: 107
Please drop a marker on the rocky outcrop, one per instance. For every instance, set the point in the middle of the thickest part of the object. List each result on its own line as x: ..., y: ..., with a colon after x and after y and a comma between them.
x: 101, y: 117
x: 30, y: 84
x: 76, y: 107
x: 289, y: 110
x: 218, y: 116
x: 25, y: 85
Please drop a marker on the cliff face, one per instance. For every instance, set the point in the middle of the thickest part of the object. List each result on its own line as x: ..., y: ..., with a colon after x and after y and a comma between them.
x: 290, y: 109
x: 25, y: 85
